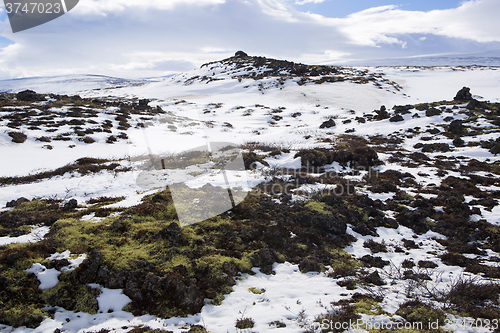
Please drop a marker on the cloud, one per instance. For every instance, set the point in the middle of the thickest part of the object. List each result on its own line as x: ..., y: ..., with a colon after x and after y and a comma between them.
x: 303, y: 2
x: 474, y: 20
x: 156, y: 37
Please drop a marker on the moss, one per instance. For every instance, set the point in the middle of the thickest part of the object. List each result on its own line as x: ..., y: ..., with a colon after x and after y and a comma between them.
x: 302, y: 246
x: 256, y: 291
x: 22, y: 315
x: 341, y: 259
x: 219, y: 297
x: 361, y: 212
x: 405, y: 196
x: 30, y: 206
x: 430, y: 223
x: 213, y: 224
x: 213, y: 263
x: 244, y: 323
x: 245, y: 264
x: 78, y: 298
x: 121, y: 250
x: 368, y: 306
x: 21, y: 302
x: 417, y: 312
x: 318, y: 207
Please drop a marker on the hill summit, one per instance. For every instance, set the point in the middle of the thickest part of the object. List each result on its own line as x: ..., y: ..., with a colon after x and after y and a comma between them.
x: 273, y: 67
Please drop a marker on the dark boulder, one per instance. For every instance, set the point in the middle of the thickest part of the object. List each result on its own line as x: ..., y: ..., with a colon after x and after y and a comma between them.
x: 29, y: 96
x: 432, y: 147
x: 371, y: 261
x: 148, y: 292
x: 11, y: 258
x: 463, y: 95
x: 475, y: 104
x: 433, y: 112
x: 172, y: 233
x: 143, y: 102
x: 310, y: 264
x: 265, y: 260
x: 332, y: 224
x: 327, y: 124
x: 456, y: 127
x: 70, y: 205
x: 374, y: 278
x: 58, y: 264
x: 15, y: 203
x: 110, y: 278
x: 88, y: 269
x: 396, y: 118
x: 18, y: 137
x: 240, y: 54
x: 382, y: 113
x: 402, y: 109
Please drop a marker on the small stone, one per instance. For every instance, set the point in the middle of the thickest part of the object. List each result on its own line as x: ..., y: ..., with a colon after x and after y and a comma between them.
x: 70, y: 205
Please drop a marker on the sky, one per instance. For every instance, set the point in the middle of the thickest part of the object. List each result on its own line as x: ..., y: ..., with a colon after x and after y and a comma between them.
x: 148, y: 38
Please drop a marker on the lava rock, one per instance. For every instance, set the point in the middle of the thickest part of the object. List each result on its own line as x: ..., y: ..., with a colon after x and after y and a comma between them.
x: 456, y: 127
x: 50, y: 221
x: 474, y: 104
x: 310, y: 264
x: 432, y: 147
x: 265, y: 260
x: 18, y: 137
x: 15, y: 203
x: 4, y: 282
x: 371, y: 261
x: 402, y: 109
x: 172, y: 233
x: 327, y: 124
x: 88, y: 269
x: 29, y: 96
x: 110, y: 278
x: 11, y: 258
x: 240, y: 54
x: 119, y: 226
x: 463, y: 95
x: 143, y: 102
x: 433, y: 112
x: 58, y: 264
x: 70, y: 205
x: 374, y: 278
x: 396, y: 118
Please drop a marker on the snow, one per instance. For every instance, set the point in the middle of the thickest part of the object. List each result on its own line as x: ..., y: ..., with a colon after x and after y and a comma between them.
x: 34, y: 236
x: 47, y: 277
x: 74, y: 262
x: 285, y: 160
x: 288, y: 292
x: 110, y: 300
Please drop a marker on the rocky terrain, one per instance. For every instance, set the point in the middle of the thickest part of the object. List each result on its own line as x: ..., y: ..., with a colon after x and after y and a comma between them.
x: 395, y: 209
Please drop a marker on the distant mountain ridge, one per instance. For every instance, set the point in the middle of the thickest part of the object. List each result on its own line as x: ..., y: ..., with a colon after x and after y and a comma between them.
x: 488, y: 58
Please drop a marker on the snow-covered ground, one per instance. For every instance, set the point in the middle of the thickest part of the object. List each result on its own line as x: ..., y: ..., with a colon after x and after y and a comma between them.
x: 238, y: 112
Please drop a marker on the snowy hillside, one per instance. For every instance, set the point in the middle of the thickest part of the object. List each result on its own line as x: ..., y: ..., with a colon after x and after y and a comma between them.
x: 314, y: 193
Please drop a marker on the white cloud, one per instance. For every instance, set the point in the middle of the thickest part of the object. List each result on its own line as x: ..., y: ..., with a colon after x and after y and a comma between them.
x: 303, y: 2
x: 475, y: 20
x: 146, y: 38
x: 114, y: 6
